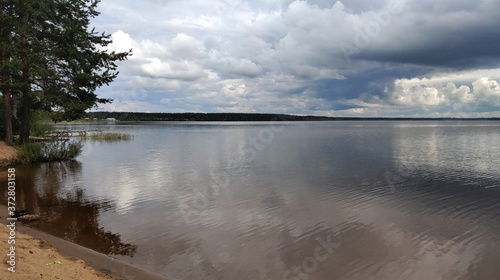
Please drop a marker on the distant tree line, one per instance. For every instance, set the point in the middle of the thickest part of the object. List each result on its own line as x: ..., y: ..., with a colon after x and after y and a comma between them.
x: 242, y: 117
x: 239, y: 117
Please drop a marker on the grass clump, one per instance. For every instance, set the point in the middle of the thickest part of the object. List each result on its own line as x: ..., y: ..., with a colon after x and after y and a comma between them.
x: 27, y: 153
x: 49, y: 151
x: 62, y: 150
x: 108, y: 137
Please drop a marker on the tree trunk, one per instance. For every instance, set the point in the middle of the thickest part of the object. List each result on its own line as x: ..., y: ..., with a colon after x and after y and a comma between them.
x: 24, y: 134
x: 7, y: 117
x: 14, y: 105
x: 4, y: 80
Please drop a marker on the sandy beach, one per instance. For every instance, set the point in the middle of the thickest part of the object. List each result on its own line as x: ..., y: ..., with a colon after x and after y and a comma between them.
x: 37, y: 259
x: 7, y: 154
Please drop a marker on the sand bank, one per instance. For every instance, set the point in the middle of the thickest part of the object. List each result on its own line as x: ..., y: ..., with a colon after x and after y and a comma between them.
x: 7, y: 153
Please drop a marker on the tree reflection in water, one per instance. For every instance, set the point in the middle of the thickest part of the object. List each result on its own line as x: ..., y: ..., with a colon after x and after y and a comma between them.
x: 54, y: 190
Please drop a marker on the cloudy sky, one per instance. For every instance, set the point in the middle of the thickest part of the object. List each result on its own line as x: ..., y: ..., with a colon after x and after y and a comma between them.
x: 321, y: 57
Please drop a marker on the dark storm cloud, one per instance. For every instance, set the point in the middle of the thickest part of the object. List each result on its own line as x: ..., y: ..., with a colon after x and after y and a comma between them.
x: 325, y: 57
x: 455, y: 34
x: 372, y: 82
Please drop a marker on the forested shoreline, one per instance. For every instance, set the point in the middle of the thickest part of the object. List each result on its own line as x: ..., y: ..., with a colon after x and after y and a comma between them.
x: 241, y: 117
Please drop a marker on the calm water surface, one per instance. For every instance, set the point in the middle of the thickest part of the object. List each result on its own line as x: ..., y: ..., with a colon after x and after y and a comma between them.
x: 307, y: 200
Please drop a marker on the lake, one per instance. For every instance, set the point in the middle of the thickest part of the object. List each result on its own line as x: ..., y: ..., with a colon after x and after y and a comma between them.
x: 285, y: 200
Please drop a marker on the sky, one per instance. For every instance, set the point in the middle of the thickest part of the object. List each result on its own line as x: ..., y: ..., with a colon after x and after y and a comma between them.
x: 378, y: 58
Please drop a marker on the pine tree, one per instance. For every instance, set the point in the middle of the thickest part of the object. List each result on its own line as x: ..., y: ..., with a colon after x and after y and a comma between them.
x: 58, y: 63
x: 6, y: 22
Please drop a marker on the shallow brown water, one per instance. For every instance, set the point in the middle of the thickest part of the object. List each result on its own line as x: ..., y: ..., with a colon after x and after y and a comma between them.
x: 319, y: 200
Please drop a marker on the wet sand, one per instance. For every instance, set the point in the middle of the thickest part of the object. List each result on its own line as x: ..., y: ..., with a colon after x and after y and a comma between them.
x: 36, y: 259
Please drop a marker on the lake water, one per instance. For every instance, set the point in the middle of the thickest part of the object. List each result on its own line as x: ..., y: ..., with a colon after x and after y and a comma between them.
x: 299, y: 200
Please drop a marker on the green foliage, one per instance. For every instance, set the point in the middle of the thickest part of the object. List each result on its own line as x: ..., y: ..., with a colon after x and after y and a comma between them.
x: 51, y: 58
x: 40, y: 124
x: 81, y: 53
x: 49, y: 151
x: 27, y: 153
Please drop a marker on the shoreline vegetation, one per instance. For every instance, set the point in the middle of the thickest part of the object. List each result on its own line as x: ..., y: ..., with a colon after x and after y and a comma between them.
x: 240, y: 117
x: 50, y: 150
